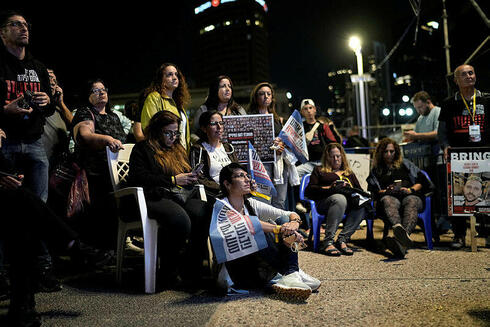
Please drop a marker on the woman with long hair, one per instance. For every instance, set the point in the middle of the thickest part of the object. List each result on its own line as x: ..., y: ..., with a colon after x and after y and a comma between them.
x: 277, y: 263
x: 220, y: 98
x: 398, y: 187
x: 211, y: 151
x: 263, y: 101
x: 332, y: 185
x: 160, y: 164
x: 168, y: 92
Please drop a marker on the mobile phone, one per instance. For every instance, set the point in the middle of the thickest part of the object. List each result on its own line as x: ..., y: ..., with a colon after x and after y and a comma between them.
x: 339, y: 182
x: 398, y: 182
x: 198, y: 168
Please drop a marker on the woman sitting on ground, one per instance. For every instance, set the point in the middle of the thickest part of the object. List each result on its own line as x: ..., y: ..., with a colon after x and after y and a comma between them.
x: 259, y: 268
x: 398, y: 188
x: 211, y: 152
x: 331, y: 186
x: 160, y: 164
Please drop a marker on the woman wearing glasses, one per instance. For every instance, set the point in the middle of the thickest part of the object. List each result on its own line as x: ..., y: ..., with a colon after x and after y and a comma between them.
x: 96, y: 126
x: 211, y: 152
x: 168, y: 92
x: 398, y: 186
x: 160, y: 164
x: 276, y: 264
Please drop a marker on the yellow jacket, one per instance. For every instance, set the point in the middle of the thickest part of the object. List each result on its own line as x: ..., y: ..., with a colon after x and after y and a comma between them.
x: 156, y: 102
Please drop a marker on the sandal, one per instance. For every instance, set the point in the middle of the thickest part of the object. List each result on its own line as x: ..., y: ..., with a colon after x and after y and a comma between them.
x: 344, y: 250
x: 333, y: 252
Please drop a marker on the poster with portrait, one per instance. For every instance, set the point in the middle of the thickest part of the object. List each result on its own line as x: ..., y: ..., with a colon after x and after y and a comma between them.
x: 468, y: 181
x: 257, y: 129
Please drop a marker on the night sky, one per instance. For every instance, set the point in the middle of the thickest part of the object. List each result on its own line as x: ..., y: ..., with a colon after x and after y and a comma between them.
x: 307, y: 39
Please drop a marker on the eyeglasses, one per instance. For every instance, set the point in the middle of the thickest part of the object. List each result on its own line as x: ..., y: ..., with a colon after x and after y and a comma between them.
x: 242, y: 175
x: 100, y: 91
x: 18, y: 24
x: 216, y: 123
x: 170, y: 134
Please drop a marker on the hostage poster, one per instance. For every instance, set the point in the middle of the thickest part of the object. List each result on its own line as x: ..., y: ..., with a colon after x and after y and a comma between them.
x: 256, y: 129
x: 234, y: 235
x: 468, y: 181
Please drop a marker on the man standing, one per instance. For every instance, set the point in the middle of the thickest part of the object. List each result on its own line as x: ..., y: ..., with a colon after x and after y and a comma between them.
x: 22, y: 116
x: 464, y: 122
x: 428, y: 121
x: 25, y: 104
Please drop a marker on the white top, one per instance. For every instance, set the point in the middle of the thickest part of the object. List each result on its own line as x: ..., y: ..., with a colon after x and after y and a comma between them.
x: 217, y: 160
x: 264, y: 211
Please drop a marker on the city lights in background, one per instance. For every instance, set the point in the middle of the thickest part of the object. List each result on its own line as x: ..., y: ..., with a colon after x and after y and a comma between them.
x: 215, y: 3
x: 289, y: 95
x: 386, y: 112
x: 405, y: 98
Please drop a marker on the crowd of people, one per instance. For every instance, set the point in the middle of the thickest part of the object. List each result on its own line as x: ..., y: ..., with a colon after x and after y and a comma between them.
x: 174, y: 152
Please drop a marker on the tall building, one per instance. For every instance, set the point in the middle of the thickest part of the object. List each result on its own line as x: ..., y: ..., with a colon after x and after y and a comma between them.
x: 230, y: 37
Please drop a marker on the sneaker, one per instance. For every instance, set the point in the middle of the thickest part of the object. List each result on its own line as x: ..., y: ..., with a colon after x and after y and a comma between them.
x: 131, y: 247
x: 401, y: 235
x: 458, y: 243
x: 292, y: 287
x: 47, y: 282
x: 301, y: 208
x: 312, y: 282
x: 85, y: 256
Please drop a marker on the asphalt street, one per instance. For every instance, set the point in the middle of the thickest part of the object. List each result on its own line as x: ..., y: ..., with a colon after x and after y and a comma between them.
x: 427, y: 288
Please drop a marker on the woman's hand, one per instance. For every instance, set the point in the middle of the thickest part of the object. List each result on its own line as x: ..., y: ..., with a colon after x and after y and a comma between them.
x: 2, y: 135
x: 289, y: 227
x: 279, y: 145
x: 185, y: 179
x: 406, y: 190
x: 114, y: 144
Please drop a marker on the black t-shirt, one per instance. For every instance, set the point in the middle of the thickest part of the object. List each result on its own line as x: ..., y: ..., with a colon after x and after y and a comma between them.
x: 95, y: 162
x: 457, y: 118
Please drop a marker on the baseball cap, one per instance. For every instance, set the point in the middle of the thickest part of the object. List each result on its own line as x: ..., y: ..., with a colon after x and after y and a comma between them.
x: 304, y: 102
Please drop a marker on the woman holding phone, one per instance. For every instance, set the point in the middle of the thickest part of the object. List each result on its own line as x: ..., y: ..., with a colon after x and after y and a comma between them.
x: 160, y: 165
x: 331, y: 186
x: 398, y: 187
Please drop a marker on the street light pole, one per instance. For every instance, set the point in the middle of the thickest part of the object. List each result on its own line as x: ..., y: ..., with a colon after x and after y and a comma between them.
x: 355, y: 44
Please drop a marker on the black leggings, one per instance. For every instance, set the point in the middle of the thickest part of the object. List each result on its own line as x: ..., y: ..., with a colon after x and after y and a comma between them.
x: 178, y: 224
x: 409, y: 207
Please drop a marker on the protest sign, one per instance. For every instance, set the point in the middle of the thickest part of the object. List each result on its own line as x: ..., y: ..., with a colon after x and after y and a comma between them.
x: 293, y: 135
x: 234, y: 235
x: 265, y: 186
x: 257, y: 129
x: 360, y: 165
x: 468, y: 181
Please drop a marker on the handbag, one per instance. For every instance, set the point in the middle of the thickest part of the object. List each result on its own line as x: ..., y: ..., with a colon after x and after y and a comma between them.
x: 177, y: 193
x: 71, y: 184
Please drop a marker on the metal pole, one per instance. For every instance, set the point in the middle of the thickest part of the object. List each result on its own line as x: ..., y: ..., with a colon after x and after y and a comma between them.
x: 446, y: 45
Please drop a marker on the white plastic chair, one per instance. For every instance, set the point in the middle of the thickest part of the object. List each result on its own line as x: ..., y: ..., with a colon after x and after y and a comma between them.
x: 118, y: 170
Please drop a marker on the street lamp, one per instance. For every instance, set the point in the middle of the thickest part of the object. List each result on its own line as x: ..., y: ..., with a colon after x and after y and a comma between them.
x: 355, y: 45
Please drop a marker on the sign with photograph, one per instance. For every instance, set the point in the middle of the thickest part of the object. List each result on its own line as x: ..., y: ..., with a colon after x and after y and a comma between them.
x: 468, y: 181
x: 256, y: 129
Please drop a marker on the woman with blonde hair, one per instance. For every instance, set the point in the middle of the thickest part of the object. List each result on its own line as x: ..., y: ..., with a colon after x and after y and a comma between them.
x: 398, y: 187
x: 334, y: 186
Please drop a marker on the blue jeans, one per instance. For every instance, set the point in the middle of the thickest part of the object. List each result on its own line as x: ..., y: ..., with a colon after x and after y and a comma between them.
x: 30, y: 160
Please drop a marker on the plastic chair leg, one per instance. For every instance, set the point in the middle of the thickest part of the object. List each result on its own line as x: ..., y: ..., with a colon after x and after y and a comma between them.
x: 150, y: 236
x: 121, y: 238
x: 315, y: 221
x: 369, y: 230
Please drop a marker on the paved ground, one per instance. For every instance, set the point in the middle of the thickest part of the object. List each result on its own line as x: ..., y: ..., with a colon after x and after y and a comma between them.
x: 428, y: 288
